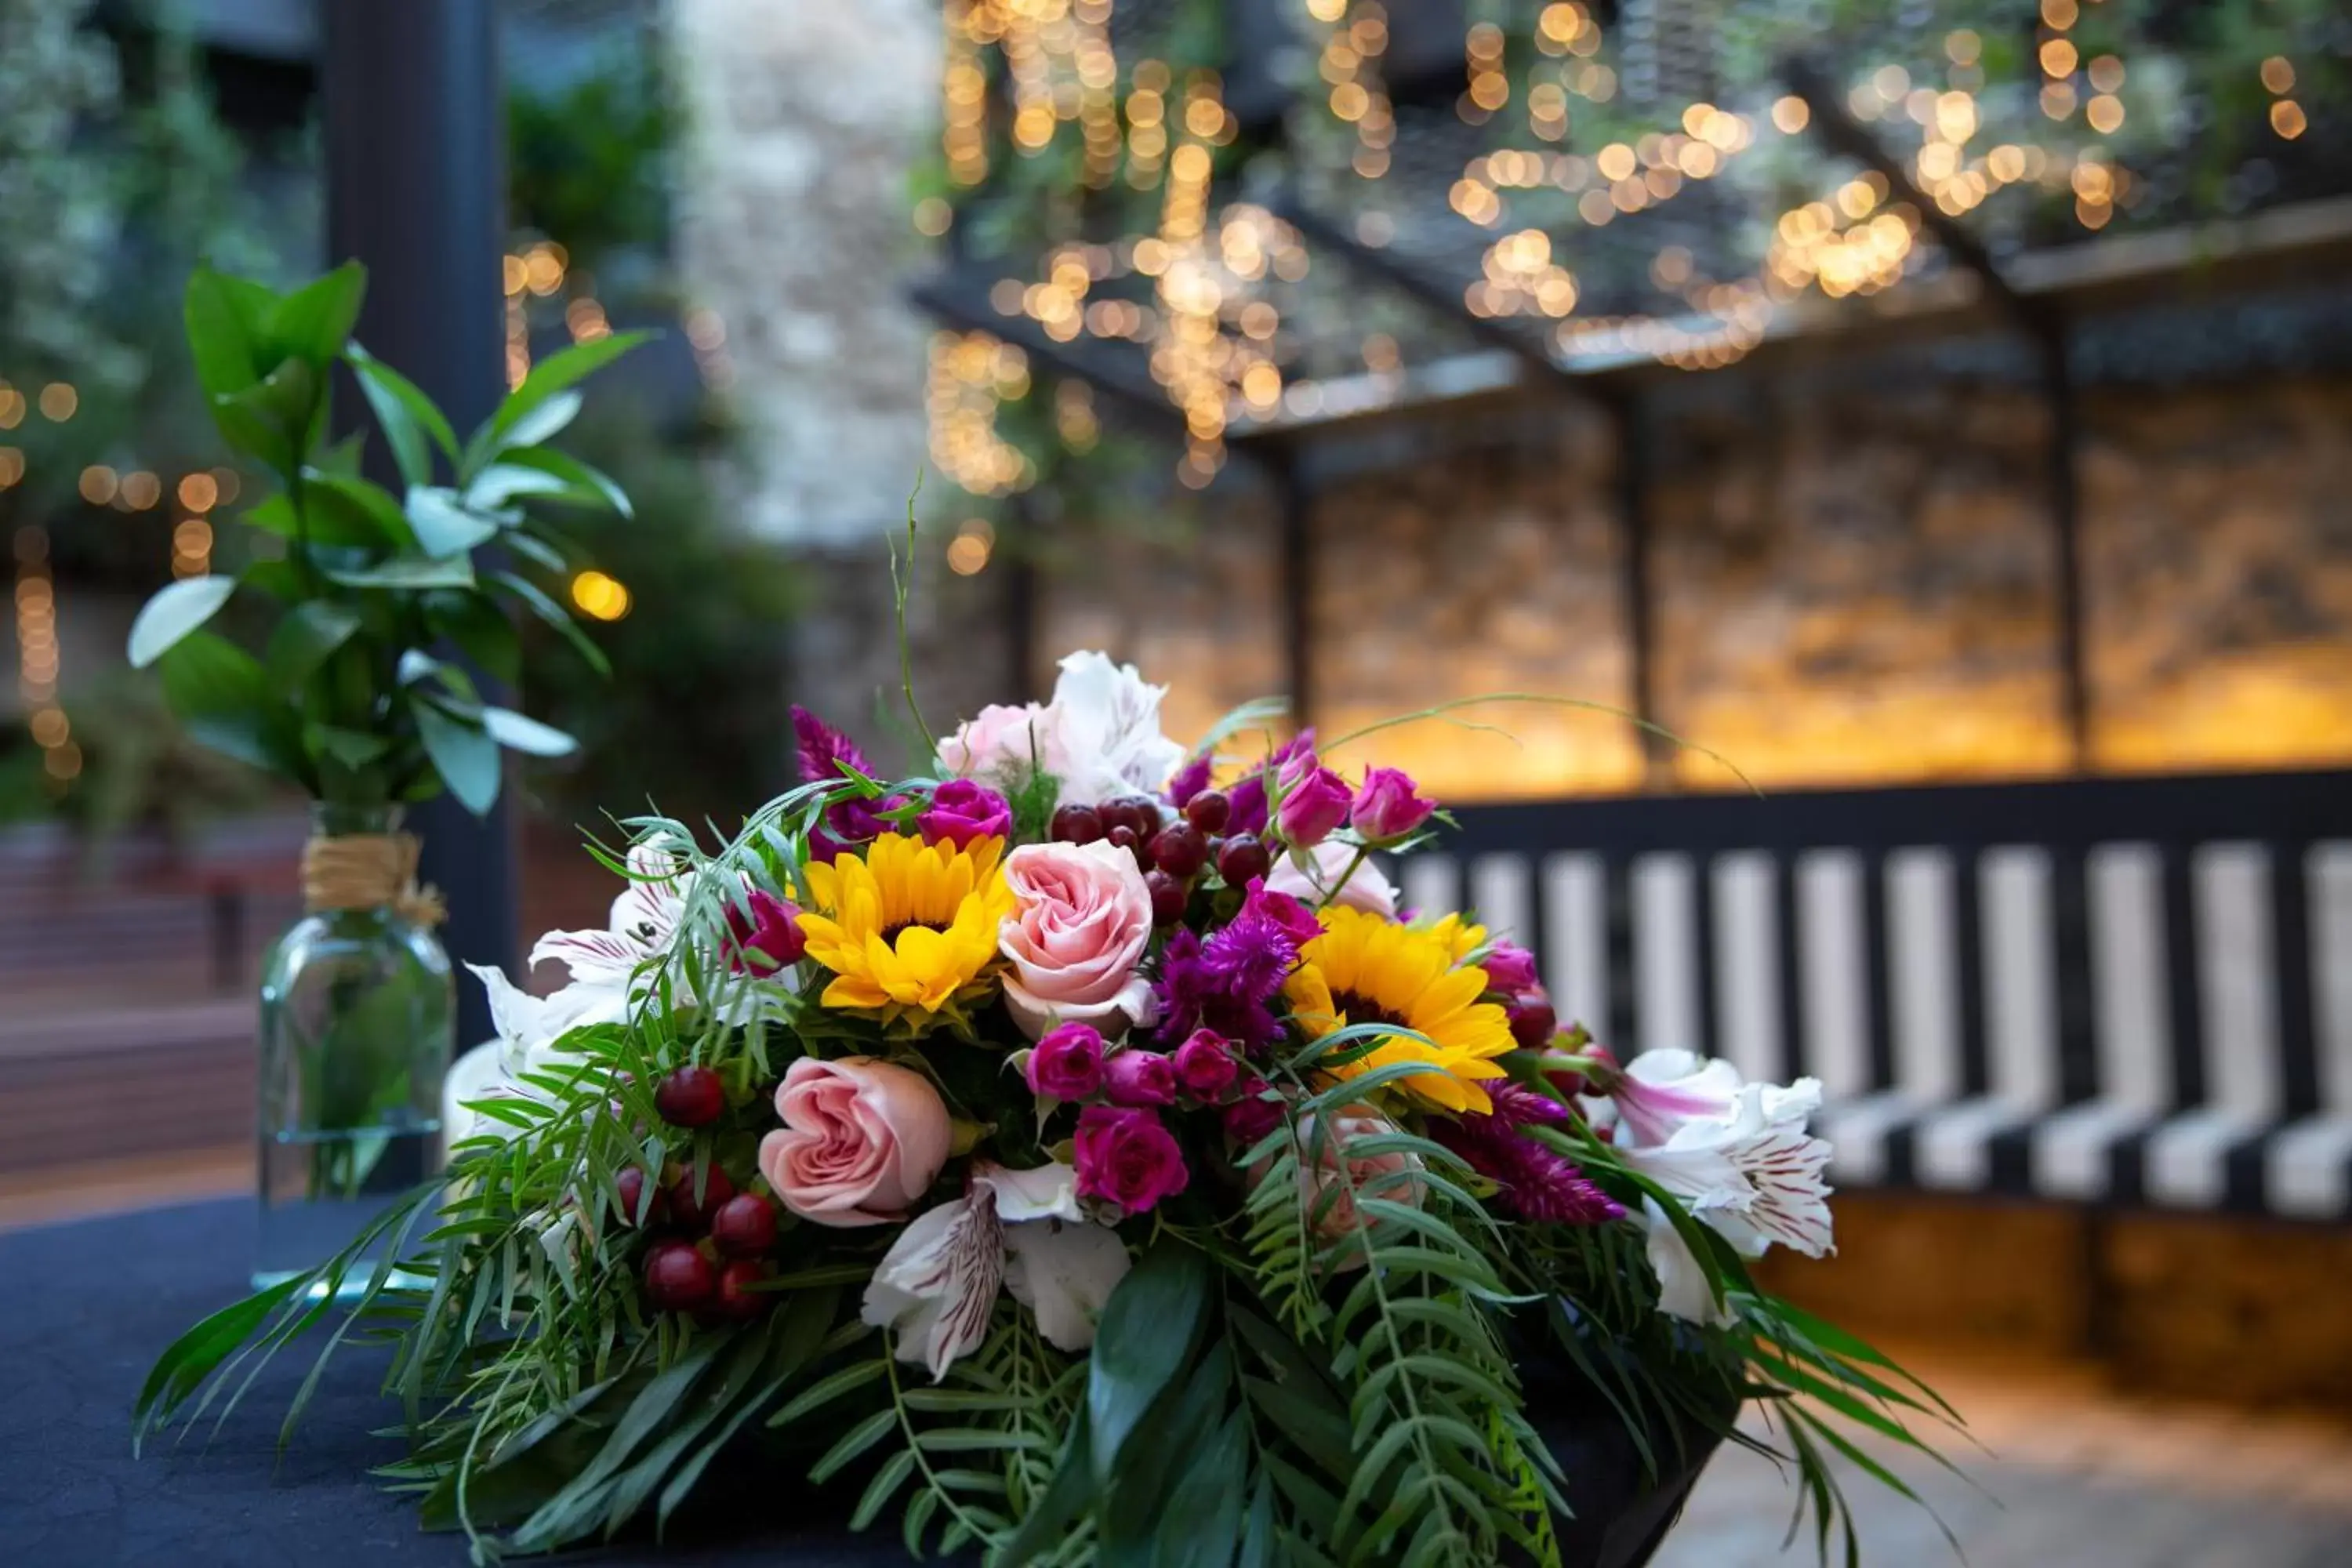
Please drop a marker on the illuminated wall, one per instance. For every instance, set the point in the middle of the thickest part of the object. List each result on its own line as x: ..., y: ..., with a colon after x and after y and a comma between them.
x: 1490, y: 567
x: 1854, y: 581
x: 2218, y: 536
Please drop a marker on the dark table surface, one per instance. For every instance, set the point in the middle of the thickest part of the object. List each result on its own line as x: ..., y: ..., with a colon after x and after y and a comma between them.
x: 85, y: 1306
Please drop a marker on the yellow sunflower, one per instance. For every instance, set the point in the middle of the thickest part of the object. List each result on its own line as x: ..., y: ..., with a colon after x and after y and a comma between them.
x: 907, y: 927
x: 1365, y: 969
x: 1460, y: 936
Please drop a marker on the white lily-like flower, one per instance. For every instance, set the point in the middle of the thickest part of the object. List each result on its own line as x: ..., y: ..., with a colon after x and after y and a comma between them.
x: 1021, y: 1230
x: 1736, y: 1154
x: 1104, y: 722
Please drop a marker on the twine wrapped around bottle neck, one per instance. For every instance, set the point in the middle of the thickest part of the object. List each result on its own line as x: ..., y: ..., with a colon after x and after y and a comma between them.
x: 368, y: 872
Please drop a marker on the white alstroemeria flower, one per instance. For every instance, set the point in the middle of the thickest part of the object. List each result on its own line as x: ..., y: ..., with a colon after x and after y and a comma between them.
x: 1313, y: 877
x: 1752, y: 1175
x: 1683, y: 1289
x: 1102, y: 733
x: 1661, y: 1089
x: 1021, y: 1230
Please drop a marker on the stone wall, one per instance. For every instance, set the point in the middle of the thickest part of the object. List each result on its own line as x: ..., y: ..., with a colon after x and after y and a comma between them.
x: 793, y: 231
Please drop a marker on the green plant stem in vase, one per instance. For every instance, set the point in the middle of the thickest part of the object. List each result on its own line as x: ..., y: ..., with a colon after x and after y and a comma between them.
x: 349, y: 606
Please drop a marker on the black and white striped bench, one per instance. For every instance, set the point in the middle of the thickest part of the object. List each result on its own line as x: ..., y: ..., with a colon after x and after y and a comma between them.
x: 2115, y: 991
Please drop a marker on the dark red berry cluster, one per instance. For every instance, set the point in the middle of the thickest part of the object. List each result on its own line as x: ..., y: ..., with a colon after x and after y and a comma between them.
x: 710, y: 1249
x: 1171, y: 855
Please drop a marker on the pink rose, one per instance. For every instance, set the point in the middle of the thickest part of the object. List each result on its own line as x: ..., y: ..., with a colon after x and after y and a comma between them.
x: 1205, y: 1066
x: 1386, y: 808
x: 1081, y: 918
x: 1510, y: 968
x: 961, y: 811
x: 1067, y: 1064
x: 1391, y: 1175
x: 1127, y: 1157
x: 1139, y: 1077
x: 1314, y: 802
x: 862, y: 1140
x: 999, y: 742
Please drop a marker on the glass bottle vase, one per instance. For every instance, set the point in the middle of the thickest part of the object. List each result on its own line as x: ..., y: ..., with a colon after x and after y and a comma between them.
x: 358, y: 1023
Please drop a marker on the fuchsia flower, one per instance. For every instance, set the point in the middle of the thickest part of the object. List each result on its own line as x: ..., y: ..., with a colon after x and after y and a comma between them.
x: 1138, y: 1078
x: 1127, y: 1157
x: 1511, y: 969
x: 769, y: 926
x: 1205, y: 1066
x: 1314, y: 801
x: 1067, y: 1064
x: 1387, y: 808
x: 961, y: 811
x: 1248, y: 794
x: 1251, y: 1118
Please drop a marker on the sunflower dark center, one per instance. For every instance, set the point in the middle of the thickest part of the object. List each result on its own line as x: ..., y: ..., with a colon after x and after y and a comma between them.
x: 1358, y: 1009
x: 890, y: 932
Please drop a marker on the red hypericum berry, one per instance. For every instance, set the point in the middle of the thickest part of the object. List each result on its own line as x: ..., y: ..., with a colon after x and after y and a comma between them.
x: 1179, y: 849
x: 1243, y: 860
x: 1209, y: 810
x: 1076, y: 825
x: 1132, y: 812
x: 1127, y: 838
x: 736, y: 1298
x: 631, y: 1184
x: 716, y: 1190
x: 1167, y: 897
x: 744, y: 1226
x: 691, y: 1097
x: 1533, y: 1022
x: 678, y: 1278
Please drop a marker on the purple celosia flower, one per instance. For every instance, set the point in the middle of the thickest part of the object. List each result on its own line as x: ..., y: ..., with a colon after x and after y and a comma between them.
x: 1281, y: 911
x: 1192, y: 996
x: 1535, y: 1181
x: 826, y: 753
x: 1531, y: 1180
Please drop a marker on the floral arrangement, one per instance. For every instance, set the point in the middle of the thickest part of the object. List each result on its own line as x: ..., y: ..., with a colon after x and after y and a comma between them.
x: 1080, y: 1151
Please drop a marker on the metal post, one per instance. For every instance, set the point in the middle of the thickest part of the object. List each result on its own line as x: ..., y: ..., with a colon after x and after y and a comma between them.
x: 2066, y: 530
x: 416, y: 190
x: 1298, y: 584
x: 1635, y: 591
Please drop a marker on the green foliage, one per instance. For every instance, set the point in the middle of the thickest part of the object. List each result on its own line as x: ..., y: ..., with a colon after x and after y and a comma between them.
x: 587, y: 163
x: 349, y: 701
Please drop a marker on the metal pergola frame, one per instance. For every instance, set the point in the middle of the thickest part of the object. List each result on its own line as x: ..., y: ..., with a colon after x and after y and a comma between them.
x: 2039, y: 295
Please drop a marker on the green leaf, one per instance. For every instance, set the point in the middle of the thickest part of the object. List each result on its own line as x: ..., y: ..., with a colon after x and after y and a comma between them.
x: 311, y: 632
x: 534, y: 551
x: 853, y: 1443
x: 579, y: 481
x: 464, y: 755
x: 223, y: 696
x: 190, y: 1357
x: 407, y: 416
x: 547, y: 419
x: 354, y: 749
x: 174, y: 613
x: 825, y: 1390
x: 340, y: 509
x: 271, y: 417
x: 312, y: 323
x: 408, y: 571
x: 1144, y: 1340
x: 551, y: 375
x: 1203, y: 1520
x: 516, y: 733
x: 224, y: 316
x: 1065, y: 1496
x: 446, y: 526
x: 502, y: 482
x: 553, y: 615
x: 477, y: 627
